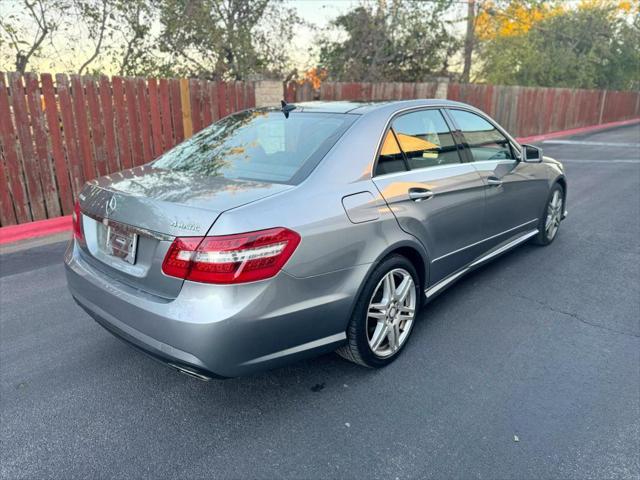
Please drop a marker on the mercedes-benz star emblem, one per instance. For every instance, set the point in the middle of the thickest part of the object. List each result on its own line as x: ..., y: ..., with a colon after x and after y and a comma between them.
x: 111, y: 206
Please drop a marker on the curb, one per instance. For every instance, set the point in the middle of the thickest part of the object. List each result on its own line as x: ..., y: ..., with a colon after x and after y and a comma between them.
x: 43, y: 228
x: 39, y: 228
x: 576, y: 131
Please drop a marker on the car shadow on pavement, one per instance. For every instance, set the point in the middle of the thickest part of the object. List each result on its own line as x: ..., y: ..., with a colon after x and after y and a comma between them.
x: 312, y: 377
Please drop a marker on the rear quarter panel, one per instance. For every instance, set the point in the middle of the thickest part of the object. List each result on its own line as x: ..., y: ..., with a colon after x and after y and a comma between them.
x: 330, y: 240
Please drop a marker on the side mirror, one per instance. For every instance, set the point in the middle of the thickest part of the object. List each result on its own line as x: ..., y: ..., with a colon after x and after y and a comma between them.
x: 531, y: 154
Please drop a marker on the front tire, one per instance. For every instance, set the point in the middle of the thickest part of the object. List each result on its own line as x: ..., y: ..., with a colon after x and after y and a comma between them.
x: 549, y: 222
x: 384, y: 314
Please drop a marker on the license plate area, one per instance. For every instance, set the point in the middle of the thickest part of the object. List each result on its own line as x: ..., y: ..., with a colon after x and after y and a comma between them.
x: 121, y: 243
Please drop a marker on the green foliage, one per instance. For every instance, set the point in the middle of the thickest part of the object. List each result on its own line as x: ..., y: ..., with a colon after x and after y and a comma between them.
x: 135, y: 54
x: 587, y: 47
x: 226, y: 39
x: 401, y: 40
x: 554, y: 43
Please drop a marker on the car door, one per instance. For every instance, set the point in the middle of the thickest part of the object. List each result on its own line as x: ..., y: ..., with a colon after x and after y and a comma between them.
x: 433, y: 194
x: 511, y: 186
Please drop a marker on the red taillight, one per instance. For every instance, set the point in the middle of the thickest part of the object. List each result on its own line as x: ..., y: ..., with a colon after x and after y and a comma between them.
x: 245, y: 257
x: 77, y: 221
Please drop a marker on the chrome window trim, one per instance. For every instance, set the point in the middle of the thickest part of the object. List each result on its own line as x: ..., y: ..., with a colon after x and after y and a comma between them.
x: 388, y: 126
x: 484, y: 240
x: 488, y: 119
x: 501, y: 161
x: 434, y: 167
x: 444, y: 107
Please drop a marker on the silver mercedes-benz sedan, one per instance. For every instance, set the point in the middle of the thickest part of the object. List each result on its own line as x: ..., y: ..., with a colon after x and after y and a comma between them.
x: 277, y: 234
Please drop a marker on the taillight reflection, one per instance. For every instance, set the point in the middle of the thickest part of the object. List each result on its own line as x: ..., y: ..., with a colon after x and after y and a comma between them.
x: 76, y: 218
x: 245, y: 257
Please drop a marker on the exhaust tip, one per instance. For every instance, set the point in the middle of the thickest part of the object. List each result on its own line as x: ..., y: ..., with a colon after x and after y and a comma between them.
x: 190, y: 373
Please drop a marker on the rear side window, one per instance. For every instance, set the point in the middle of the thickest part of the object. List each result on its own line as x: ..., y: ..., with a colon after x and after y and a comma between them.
x: 484, y: 140
x: 390, y: 159
x: 259, y: 145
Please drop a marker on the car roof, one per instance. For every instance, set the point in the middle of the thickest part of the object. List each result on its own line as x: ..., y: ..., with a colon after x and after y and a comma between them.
x: 363, y: 107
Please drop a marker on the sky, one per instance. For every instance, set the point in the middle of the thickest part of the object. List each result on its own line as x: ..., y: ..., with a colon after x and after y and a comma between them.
x: 65, y: 53
x: 320, y: 13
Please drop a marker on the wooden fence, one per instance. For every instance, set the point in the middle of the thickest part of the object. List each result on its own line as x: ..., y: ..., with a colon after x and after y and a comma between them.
x: 55, y: 135
x: 523, y: 111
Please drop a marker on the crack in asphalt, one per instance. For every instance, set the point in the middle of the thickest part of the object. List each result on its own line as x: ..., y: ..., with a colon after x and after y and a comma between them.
x: 576, y: 316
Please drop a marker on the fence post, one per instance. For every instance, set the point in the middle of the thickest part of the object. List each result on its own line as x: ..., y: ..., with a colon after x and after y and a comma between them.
x: 185, y: 102
x: 604, y: 98
x: 269, y: 93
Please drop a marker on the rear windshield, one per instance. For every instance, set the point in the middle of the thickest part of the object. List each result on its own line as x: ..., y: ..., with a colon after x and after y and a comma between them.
x: 259, y: 145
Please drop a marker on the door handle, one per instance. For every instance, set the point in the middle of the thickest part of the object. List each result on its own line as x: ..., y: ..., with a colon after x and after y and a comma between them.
x: 419, y: 194
x: 494, y: 181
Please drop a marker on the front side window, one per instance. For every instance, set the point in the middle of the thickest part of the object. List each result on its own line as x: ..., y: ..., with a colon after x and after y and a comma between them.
x: 425, y: 139
x: 483, y: 139
x: 259, y: 145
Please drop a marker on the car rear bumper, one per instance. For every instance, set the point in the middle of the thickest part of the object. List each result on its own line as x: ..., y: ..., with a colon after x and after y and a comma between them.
x: 222, y: 330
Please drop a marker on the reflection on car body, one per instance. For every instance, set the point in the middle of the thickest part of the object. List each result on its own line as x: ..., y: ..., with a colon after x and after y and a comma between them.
x: 273, y: 235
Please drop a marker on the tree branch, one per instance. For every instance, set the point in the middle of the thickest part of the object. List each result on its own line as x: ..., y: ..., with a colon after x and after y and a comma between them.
x: 96, y: 51
x: 22, y: 60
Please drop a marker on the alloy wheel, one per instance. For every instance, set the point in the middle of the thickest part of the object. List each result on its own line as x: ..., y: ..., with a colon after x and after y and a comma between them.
x: 554, y: 215
x: 391, y: 313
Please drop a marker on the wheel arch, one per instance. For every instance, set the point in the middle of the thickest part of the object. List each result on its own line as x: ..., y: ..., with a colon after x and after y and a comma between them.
x: 413, y: 252
x: 562, y: 181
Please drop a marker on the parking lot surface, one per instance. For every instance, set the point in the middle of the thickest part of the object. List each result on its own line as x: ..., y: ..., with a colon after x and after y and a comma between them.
x: 527, y: 368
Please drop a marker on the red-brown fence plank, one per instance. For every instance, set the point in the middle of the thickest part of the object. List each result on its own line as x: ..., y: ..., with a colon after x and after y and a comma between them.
x: 239, y: 96
x: 29, y: 164
x: 145, y: 122
x: 122, y: 126
x: 252, y: 95
x: 52, y: 139
x: 39, y: 129
x: 62, y: 169
x: 196, y: 104
x: 13, y: 175
x: 106, y: 103
x: 213, y: 100
x: 222, y: 100
x: 97, y: 126
x: 82, y: 124
x: 70, y: 136
x: 165, y: 110
x: 290, y: 92
x: 230, y: 97
x: 154, y: 111
x: 176, y: 111
x: 7, y: 214
x: 240, y: 102
x: 207, y: 118
x: 133, y: 121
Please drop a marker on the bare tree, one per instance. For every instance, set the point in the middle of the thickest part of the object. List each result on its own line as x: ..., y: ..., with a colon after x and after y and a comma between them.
x: 135, y: 54
x: 469, y: 40
x: 96, y: 17
x: 38, y: 11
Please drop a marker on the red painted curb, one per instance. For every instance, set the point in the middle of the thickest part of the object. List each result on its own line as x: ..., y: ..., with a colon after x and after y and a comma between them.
x: 39, y: 228
x: 43, y: 228
x: 576, y: 131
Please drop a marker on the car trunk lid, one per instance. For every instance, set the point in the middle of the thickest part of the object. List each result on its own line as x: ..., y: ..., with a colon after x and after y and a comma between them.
x: 130, y: 219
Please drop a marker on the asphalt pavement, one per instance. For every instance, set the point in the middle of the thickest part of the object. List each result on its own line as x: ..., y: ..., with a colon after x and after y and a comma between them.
x: 528, y: 368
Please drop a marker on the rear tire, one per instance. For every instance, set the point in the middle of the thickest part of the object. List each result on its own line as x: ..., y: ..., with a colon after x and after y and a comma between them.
x: 384, y: 314
x: 549, y: 223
